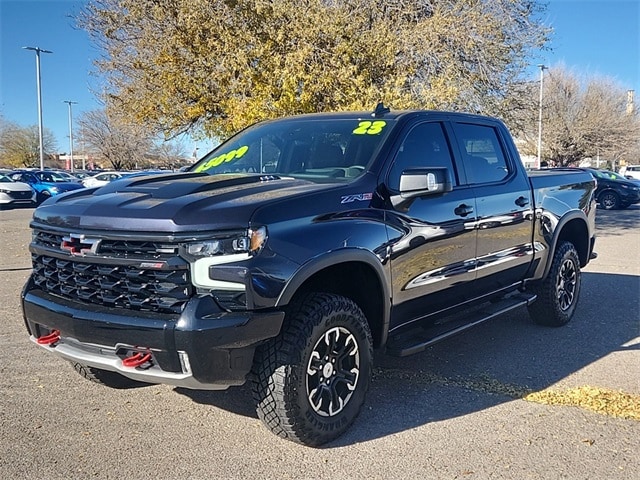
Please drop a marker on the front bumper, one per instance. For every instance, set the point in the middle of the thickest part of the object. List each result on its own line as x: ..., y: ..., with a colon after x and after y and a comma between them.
x: 203, y: 348
x: 629, y: 197
x: 7, y: 199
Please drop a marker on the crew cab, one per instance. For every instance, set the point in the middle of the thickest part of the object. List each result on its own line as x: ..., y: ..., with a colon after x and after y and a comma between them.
x: 289, y: 253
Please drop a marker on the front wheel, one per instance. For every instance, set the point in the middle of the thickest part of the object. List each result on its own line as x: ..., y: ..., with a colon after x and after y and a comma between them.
x: 310, y: 382
x: 558, y: 292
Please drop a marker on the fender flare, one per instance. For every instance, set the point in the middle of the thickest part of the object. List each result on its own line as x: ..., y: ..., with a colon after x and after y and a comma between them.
x: 562, y: 223
x: 335, y: 257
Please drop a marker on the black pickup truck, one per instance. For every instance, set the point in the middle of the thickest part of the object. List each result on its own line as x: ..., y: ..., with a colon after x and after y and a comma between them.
x: 293, y: 250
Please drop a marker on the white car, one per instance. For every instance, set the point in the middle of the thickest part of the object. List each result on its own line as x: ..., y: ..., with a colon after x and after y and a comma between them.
x: 101, y: 179
x: 15, y: 193
x: 631, y: 172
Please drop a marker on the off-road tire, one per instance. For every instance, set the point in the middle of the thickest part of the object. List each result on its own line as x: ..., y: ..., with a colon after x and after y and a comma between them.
x: 309, y: 382
x: 558, y: 293
x: 106, y: 377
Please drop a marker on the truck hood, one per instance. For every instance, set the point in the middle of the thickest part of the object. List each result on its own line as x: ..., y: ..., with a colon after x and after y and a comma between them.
x: 172, y: 203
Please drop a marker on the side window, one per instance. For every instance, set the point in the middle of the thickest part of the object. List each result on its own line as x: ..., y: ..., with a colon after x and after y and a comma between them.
x: 424, y: 146
x: 484, y: 160
x: 26, y: 177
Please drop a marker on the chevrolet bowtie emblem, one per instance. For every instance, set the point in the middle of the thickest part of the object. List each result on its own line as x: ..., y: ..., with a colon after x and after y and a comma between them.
x: 79, y: 244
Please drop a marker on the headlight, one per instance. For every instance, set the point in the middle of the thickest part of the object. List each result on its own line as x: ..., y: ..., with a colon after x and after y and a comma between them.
x: 206, y: 254
x: 2, y: 190
x: 54, y: 189
x: 249, y: 242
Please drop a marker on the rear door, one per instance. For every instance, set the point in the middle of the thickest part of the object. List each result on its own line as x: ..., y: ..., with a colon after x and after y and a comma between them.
x: 504, y: 215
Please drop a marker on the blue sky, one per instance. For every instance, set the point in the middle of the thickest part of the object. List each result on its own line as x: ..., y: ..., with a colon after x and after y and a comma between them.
x: 592, y: 37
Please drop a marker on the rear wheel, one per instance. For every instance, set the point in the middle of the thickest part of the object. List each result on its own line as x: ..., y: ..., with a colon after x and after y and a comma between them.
x: 106, y: 377
x: 609, y: 200
x: 558, y: 293
x: 310, y: 382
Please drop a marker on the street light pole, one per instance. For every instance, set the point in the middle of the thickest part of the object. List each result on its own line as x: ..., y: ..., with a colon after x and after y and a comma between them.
x: 542, y: 69
x: 38, y: 50
x: 69, y: 102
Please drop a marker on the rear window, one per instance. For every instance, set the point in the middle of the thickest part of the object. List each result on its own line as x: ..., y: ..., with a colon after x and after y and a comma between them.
x: 317, y: 149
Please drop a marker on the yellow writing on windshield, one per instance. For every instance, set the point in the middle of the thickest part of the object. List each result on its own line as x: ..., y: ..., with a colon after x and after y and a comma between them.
x: 370, y: 128
x: 234, y: 154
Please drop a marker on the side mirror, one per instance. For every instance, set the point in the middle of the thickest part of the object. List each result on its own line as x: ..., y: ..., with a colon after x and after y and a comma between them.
x: 419, y: 182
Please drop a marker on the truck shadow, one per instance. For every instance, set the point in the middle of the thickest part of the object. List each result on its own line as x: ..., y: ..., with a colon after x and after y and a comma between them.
x: 489, y: 365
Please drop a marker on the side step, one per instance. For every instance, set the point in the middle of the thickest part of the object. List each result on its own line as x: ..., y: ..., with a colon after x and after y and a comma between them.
x: 417, y: 338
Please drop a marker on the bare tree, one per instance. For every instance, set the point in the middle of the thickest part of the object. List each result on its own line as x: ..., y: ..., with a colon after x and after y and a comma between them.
x: 118, y: 142
x: 582, y: 118
x: 169, y: 154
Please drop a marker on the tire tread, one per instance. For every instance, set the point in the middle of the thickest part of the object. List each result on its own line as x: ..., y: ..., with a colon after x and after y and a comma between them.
x: 545, y: 310
x: 274, y: 377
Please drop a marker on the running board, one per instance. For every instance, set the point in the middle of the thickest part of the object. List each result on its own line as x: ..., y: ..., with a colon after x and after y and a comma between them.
x: 416, y: 339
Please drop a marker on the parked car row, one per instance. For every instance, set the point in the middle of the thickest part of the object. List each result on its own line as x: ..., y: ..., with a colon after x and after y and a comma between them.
x: 32, y: 187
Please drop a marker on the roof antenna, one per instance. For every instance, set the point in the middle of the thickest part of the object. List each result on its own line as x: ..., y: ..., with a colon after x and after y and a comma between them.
x: 380, y: 110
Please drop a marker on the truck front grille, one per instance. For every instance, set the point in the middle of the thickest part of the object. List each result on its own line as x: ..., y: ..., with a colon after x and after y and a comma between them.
x: 131, y: 280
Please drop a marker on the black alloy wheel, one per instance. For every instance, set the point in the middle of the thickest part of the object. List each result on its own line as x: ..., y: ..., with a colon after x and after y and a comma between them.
x: 558, y: 292
x: 609, y: 200
x: 310, y: 382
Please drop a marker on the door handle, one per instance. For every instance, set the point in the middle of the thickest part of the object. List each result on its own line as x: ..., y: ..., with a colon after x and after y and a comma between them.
x: 463, y: 210
x: 522, y: 201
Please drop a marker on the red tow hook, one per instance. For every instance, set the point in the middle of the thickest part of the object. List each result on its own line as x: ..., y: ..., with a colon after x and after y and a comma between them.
x: 136, y: 360
x: 53, y: 337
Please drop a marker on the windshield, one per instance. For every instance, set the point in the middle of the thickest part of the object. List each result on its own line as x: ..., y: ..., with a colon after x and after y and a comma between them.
x: 317, y: 149
x: 606, y: 174
x: 52, y: 177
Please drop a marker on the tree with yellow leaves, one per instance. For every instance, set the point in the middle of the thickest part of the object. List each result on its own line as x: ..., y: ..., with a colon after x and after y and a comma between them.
x: 215, y: 66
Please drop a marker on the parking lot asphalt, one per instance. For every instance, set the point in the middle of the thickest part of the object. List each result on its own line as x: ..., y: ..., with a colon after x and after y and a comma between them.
x: 455, y: 411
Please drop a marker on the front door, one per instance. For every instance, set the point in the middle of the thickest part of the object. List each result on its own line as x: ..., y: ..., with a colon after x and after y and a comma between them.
x: 432, y: 243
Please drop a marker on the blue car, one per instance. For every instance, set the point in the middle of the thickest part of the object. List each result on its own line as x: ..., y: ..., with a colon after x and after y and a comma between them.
x: 46, y: 183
